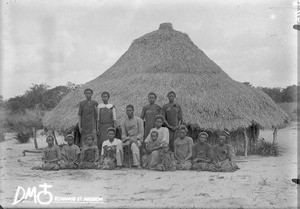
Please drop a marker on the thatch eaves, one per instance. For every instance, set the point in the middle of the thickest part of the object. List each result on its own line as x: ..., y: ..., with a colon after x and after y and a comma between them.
x: 167, y: 60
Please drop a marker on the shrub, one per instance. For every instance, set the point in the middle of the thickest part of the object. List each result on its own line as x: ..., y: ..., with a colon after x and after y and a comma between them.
x: 23, y: 136
x: 266, y: 148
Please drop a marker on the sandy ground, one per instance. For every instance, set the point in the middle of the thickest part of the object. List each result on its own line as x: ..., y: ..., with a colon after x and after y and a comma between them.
x: 261, y: 182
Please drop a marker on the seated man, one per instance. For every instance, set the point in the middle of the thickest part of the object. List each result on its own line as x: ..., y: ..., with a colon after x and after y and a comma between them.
x: 151, y: 146
x: 166, y: 160
x: 51, y: 156
x: 183, y: 149
x: 89, y: 154
x: 70, y: 154
x: 202, y: 154
x: 111, y: 152
x: 132, y: 135
x: 223, y: 155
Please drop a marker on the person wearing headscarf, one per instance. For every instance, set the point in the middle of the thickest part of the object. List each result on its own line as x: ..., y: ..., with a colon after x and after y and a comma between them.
x: 112, y: 152
x: 172, y: 113
x: 149, y: 112
x: 202, y: 154
x: 51, y: 156
x: 162, y: 137
x: 87, y: 114
x: 106, y: 118
x: 70, y: 154
x: 223, y: 155
x: 183, y: 149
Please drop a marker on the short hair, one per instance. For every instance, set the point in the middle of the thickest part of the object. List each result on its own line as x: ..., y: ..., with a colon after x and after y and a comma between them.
x: 70, y: 135
x: 111, y: 129
x: 154, y: 132
x: 160, y: 117
x: 105, y: 92
x: 203, y: 134
x: 152, y: 93
x: 171, y: 92
x: 223, y: 134
x: 88, y: 89
x: 130, y: 106
x: 182, y: 127
x: 50, y: 136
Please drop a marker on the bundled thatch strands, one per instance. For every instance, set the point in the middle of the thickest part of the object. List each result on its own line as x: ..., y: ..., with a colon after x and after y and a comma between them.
x: 166, y: 60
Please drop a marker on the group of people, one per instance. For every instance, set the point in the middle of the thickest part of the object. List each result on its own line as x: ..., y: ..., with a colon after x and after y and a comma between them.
x: 157, y: 140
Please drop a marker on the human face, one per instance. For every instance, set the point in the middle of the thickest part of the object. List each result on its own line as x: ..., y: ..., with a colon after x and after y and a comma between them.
x: 158, y: 123
x: 222, y: 140
x: 88, y: 94
x: 111, y: 135
x: 89, y: 141
x: 165, y: 148
x: 202, y: 139
x: 70, y: 140
x: 50, y: 140
x: 182, y: 133
x: 129, y: 112
x: 154, y: 136
x: 105, y: 98
x: 151, y: 99
x: 171, y: 97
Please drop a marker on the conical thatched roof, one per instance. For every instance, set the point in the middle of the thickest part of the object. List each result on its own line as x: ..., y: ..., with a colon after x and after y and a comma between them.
x: 166, y: 60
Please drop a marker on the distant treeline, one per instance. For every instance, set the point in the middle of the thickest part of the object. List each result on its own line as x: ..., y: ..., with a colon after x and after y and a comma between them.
x: 39, y: 96
x: 281, y: 95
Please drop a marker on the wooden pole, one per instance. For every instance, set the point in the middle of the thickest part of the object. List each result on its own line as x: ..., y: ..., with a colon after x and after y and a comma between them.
x: 34, y: 138
x: 53, y: 133
x: 275, y: 135
x: 246, y: 141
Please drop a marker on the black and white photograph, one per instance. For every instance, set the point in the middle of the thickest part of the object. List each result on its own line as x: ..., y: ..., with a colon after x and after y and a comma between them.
x: 149, y: 104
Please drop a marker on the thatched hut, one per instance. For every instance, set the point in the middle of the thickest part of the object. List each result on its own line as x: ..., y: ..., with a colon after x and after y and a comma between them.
x: 166, y: 60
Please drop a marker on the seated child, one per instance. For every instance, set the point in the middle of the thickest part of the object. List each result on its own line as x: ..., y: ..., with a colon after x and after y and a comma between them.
x: 70, y: 154
x: 166, y: 160
x: 151, y: 151
x: 111, y: 152
x: 51, y: 156
x: 89, y: 154
x: 183, y: 149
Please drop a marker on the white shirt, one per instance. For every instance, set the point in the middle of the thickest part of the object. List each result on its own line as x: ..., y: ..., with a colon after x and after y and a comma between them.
x: 116, y: 142
x: 109, y: 106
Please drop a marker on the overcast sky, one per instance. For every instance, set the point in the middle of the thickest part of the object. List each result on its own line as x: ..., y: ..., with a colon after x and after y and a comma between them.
x: 57, y: 41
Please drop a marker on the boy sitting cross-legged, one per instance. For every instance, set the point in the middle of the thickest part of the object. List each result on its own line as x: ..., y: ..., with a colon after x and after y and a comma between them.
x: 51, y: 156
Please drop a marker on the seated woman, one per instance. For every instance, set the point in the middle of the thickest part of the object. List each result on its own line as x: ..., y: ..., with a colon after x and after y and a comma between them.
x: 202, y: 154
x: 223, y: 155
x: 166, y: 160
x: 89, y: 154
x: 163, y: 137
x: 70, y: 154
x: 183, y: 149
x: 112, y: 152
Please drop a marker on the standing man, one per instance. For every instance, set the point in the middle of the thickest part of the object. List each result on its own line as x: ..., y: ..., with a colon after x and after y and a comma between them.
x: 132, y: 134
x: 87, y: 116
